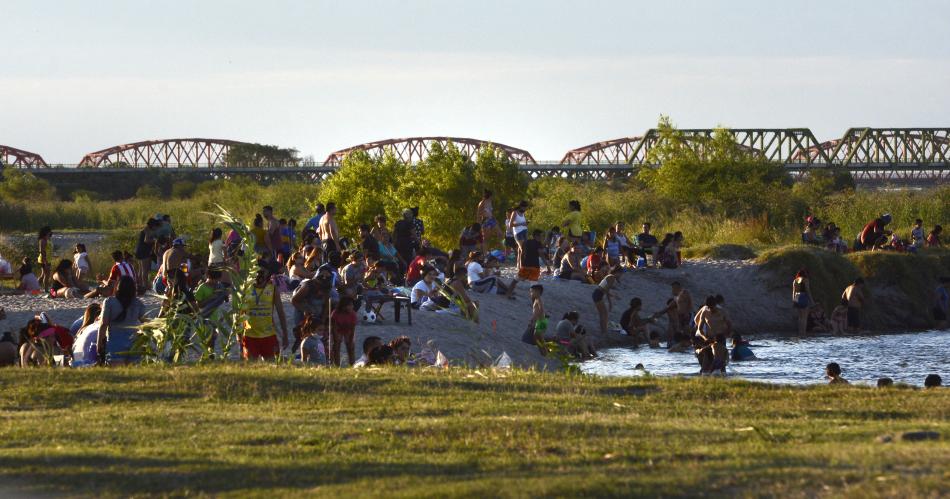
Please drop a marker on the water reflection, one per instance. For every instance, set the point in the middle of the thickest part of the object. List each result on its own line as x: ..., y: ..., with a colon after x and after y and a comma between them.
x: 907, y: 358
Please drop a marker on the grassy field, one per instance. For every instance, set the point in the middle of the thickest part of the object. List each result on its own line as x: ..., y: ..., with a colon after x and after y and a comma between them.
x: 234, y: 430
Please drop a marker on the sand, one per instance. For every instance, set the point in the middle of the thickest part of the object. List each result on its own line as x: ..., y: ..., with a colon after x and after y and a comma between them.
x: 754, y: 305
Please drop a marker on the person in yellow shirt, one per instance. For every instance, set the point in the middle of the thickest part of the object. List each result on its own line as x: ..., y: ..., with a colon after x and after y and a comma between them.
x: 259, y: 340
x: 572, y: 222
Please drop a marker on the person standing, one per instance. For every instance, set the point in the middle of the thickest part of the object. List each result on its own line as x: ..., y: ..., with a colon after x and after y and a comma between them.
x: 328, y: 230
x: 45, y: 243
x: 259, y: 341
x: 538, y: 323
x: 404, y: 233
x: 145, y: 252
x: 854, y: 294
x: 485, y: 217
x: 802, y: 299
x: 647, y: 241
x: 529, y: 267
x: 273, y: 239
x: 519, y: 227
x: 572, y: 222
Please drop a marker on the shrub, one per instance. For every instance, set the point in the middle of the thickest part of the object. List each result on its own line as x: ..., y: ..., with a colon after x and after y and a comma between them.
x: 829, y: 272
x: 85, y: 196
x: 18, y: 185
x: 148, y: 192
x: 183, y: 189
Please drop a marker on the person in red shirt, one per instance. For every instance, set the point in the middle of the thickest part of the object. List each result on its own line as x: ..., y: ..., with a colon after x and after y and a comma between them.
x: 414, y: 273
x: 873, y: 233
x: 120, y: 268
x: 594, y: 260
x: 343, y: 331
x: 933, y: 239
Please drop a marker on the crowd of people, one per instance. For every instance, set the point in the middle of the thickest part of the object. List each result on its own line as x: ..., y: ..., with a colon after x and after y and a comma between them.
x: 338, y: 282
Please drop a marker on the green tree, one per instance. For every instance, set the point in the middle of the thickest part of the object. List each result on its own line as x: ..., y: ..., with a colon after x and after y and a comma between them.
x: 362, y: 188
x: 248, y: 155
x: 717, y: 172
x: 19, y: 185
x: 496, y: 171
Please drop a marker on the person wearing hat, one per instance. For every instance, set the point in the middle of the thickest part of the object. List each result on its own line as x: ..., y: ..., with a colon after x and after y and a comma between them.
x: 174, y: 257
x: 874, y: 234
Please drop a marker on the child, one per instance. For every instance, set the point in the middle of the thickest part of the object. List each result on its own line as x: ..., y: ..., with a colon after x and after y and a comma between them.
x: 343, y: 331
x: 833, y: 373
x: 81, y: 262
x: 654, y: 339
x: 917, y: 235
x: 538, y: 323
x: 839, y: 318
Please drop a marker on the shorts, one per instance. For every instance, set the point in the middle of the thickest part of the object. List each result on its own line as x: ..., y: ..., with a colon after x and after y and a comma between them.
x: 521, y: 236
x: 490, y: 223
x: 329, y: 246
x: 529, y: 273
x: 802, y: 301
x: 510, y: 242
x: 484, y: 285
x: 854, y: 317
x: 939, y: 314
x: 598, y: 294
x: 565, y: 274
x: 259, y: 348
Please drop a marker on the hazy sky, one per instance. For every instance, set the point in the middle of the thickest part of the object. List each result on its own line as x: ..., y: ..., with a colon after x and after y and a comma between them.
x: 546, y: 76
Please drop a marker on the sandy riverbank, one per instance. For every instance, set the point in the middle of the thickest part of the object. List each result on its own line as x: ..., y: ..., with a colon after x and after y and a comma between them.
x: 754, y: 305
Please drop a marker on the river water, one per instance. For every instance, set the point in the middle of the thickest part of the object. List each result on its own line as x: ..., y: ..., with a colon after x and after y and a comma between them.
x: 906, y: 358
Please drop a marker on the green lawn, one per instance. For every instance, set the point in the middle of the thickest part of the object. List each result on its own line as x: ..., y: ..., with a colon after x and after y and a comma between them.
x: 259, y: 431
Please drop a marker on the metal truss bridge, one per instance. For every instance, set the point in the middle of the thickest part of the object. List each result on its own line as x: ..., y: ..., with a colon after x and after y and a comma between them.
x: 899, y: 155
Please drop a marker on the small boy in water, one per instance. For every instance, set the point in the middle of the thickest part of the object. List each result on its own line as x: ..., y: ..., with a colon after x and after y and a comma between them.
x: 839, y: 318
x: 833, y: 373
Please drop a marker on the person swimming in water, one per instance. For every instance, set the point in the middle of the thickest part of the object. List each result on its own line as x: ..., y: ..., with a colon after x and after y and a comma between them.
x: 740, y: 349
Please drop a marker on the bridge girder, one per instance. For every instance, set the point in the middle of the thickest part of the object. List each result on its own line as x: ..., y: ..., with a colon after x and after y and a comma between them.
x: 163, y: 154
x: 414, y: 149
x: 11, y: 156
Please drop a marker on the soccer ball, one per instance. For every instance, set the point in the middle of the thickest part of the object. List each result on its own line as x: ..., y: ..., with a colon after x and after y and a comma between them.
x: 369, y: 316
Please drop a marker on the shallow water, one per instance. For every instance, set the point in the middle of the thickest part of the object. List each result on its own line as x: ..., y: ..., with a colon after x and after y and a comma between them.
x: 907, y: 358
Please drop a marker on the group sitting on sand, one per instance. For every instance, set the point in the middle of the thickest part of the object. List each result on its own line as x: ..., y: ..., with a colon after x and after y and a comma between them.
x: 338, y: 282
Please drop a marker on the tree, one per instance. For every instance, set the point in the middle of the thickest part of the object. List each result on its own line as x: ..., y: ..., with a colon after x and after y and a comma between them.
x: 18, y: 185
x: 362, y: 188
x: 248, y: 155
x: 717, y: 172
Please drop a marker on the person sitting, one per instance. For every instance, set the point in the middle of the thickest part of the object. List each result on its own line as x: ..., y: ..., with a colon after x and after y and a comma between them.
x: 740, y: 349
x: 64, y: 283
x: 484, y: 280
x: 298, y: 270
x: 592, y: 265
x: 933, y: 381
x: 570, y: 267
x: 352, y: 274
x: 666, y: 253
x: 833, y: 373
x: 8, y: 350
x: 425, y: 294
x: 312, y: 335
x: 648, y: 244
x: 471, y: 239
x: 816, y: 321
x: 573, y: 337
x: 810, y: 232
x: 839, y: 318
x: 414, y: 273
x: 874, y: 235
x: 29, y: 283
x: 120, y: 267
x: 632, y: 324
x: 369, y: 344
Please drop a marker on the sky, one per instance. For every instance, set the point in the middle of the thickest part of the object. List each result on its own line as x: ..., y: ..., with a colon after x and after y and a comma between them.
x: 546, y: 76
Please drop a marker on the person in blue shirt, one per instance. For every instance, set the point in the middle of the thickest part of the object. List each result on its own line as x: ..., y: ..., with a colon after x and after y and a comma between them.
x: 740, y: 349
x: 314, y: 221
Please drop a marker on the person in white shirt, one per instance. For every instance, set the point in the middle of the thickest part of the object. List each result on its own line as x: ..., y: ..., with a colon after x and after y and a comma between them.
x: 81, y: 262
x: 482, y: 280
x: 425, y: 291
